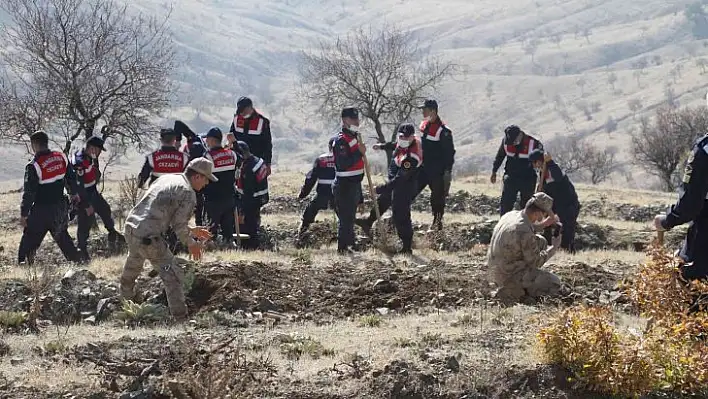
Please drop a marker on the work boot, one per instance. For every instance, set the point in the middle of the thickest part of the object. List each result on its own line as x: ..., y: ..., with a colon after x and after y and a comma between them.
x: 302, y: 228
x: 437, y: 223
x: 365, y: 224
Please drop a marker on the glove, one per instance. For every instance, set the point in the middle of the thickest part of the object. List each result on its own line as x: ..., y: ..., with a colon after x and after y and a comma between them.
x: 447, y: 179
x: 200, y: 233
x: 493, y: 179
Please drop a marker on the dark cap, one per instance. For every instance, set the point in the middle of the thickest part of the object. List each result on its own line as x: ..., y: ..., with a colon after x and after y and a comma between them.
x: 350, y: 112
x: 215, y: 133
x: 242, y: 103
x: 536, y: 155
x: 430, y: 104
x: 243, y: 147
x: 512, y: 131
x: 407, y: 129
x: 39, y: 137
x: 167, y: 132
x: 96, y: 142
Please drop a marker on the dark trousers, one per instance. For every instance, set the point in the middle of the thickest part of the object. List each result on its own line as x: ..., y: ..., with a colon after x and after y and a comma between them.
x: 43, y: 219
x: 384, y: 202
x: 199, y: 210
x: 514, y: 185
x: 251, y: 225
x: 568, y: 215
x: 401, y: 200
x: 84, y: 221
x: 434, y: 179
x: 694, y: 250
x: 346, y: 198
x: 221, y: 217
x: 319, y: 203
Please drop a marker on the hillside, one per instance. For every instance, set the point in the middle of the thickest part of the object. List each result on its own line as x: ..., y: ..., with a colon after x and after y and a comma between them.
x: 563, y: 87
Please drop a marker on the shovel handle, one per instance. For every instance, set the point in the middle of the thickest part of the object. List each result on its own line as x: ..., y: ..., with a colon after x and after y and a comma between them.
x: 660, y: 237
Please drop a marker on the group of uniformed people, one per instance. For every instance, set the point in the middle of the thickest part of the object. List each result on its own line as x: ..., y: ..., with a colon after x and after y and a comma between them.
x: 339, y: 174
x: 227, y: 183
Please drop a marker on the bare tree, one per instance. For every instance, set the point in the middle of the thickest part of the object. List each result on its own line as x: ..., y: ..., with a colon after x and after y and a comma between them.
x: 530, y: 48
x: 490, y: 89
x: 579, y: 158
x: 587, y: 32
x: 634, y: 105
x: 581, y: 82
x: 610, y: 124
x: 557, y: 39
x: 659, y: 148
x: 702, y: 63
x: 612, y: 79
x: 385, y: 73
x: 600, y: 164
x: 85, y: 63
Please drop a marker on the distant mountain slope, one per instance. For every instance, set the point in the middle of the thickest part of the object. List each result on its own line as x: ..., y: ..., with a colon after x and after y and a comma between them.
x: 238, y: 48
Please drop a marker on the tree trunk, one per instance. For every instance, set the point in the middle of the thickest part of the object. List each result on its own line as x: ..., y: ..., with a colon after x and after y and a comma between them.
x: 382, y: 139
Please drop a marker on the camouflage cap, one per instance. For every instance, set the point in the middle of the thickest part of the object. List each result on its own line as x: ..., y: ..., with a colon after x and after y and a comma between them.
x: 542, y: 201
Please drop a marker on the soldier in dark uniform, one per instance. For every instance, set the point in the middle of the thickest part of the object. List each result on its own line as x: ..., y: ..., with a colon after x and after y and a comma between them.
x: 519, y: 174
x: 219, y: 197
x: 253, y: 129
x: 88, y: 172
x: 252, y: 187
x: 400, y: 189
x: 168, y: 160
x: 322, y: 173
x: 195, y: 148
x: 44, y: 206
x: 691, y: 207
x: 436, y: 172
x: 349, y: 163
x: 565, y: 200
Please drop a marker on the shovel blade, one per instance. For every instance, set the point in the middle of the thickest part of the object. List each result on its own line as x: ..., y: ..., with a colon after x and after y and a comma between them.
x: 242, y: 236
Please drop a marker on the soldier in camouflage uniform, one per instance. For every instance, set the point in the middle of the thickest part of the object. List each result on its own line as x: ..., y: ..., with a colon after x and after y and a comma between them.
x: 516, y: 253
x: 169, y: 202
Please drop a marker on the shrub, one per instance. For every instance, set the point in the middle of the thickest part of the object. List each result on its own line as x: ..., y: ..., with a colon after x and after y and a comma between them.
x: 671, y: 355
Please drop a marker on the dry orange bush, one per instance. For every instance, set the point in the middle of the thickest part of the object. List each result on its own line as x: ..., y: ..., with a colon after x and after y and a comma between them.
x: 671, y: 355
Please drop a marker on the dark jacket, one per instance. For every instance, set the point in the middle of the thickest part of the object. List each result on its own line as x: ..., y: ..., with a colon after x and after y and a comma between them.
x: 559, y: 187
x: 252, y: 183
x: 693, y: 191
x: 322, y: 173
x: 404, y: 166
x: 46, y: 176
x: 438, y: 146
x: 254, y: 131
x: 88, y: 175
x: 349, y: 162
x: 226, y: 163
x: 517, y: 157
x: 154, y: 167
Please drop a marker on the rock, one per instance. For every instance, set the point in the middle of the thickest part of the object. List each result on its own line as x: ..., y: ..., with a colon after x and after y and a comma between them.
x: 384, y: 286
x: 86, y: 291
x: 452, y: 364
x: 72, y: 276
x: 266, y: 305
x: 382, y: 311
x: 376, y: 373
x: 102, y: 308
x: 17, y: 360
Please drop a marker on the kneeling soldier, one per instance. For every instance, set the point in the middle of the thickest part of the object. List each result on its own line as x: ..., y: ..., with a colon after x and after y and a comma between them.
x: 322, y: 173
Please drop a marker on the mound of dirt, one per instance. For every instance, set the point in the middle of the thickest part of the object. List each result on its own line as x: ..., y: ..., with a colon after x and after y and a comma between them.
x: 342, y: 290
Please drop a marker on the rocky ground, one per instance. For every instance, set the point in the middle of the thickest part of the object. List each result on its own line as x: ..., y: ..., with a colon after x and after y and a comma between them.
x: 298, y: 321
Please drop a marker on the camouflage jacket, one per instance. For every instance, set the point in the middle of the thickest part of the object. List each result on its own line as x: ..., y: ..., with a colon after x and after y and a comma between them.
x: 169, y: 202
x: 515, y: 247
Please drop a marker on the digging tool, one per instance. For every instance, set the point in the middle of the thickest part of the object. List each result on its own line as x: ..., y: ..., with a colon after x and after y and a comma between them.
x: 238, y: 234
x: 541, y: 178
x: 372, y: 190
x: 660, y: 237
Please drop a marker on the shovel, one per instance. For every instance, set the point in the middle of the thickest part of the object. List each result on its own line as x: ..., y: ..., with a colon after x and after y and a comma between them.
x: 238, y: 234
